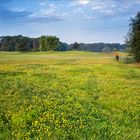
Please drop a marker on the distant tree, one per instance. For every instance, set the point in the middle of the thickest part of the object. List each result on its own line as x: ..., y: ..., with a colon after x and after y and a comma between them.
x: 133, y: 37
x: 43, y: 43
x: 15, y: 43
x: 48, y: 43
x: 8, y: 43
x: 52, y: 42
x: 106, y: 49
x: 35, y: 44
x: 76, y: 46
x: 99, y: 47
x: 63, y: 47
x: 0, y: 42
x: 23, y: 44
x: 123, y: 48
x: 115, y: 50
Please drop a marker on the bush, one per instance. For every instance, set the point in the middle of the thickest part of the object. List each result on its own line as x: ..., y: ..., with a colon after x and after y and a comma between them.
x: 128, y: 60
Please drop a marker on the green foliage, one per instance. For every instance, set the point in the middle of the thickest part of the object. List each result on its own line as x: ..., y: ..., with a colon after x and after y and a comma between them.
x: 49, y: 43
x: 76, y: 46
x: 106, y: 49
x: 128, y: 60
x: 43, y: 44
x: 22, y: 43
x: 133, y: 37
x: 115, y: 50
x: 63, y: 47
x: 52, y: 42
x: 68, y: 95
x: 35, y: 44
x: 16, y: 43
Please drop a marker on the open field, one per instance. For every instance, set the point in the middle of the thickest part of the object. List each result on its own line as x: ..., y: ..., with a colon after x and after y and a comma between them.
x: 68, y: 95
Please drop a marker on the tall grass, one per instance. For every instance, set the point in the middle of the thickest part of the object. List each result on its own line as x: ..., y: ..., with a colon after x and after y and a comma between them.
x: 72, y: 95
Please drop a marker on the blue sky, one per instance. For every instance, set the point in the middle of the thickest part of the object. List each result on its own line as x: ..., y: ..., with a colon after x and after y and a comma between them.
x: 71, y: 20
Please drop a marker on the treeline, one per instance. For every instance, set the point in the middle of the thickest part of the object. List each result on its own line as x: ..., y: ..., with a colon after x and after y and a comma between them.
x: 46, y: 43
x: 22, y: 43
x: 99, y: 47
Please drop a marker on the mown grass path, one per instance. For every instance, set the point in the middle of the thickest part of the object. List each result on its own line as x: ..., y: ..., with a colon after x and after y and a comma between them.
x: 68, y: 95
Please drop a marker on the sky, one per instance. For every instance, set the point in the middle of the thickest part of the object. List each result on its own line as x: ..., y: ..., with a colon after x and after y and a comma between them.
x: 86, y: 21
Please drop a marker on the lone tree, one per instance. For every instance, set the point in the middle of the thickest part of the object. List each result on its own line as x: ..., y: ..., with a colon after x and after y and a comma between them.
x: 133, y: 37
x: 76, y: 46
x: 49, y: 43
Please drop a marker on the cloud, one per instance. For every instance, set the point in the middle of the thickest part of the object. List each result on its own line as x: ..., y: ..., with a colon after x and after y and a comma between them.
x: 50, y: 9
x: 52, y: 6
x: 43, y: 13
x: 78, y: 2
x: 18, y: 9
x: 83, y: 2
x: 108, y: 12
x: 108, y: 8
x: 97, y: 7
x: 64, y: 13
x: 8, y: 15
x: 47, y: 19
x: 20, y: 16
x: 87, y: 17
x: 47, y: 14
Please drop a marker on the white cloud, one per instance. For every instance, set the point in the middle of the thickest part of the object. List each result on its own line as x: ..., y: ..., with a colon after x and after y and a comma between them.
x: 18, y: 9
x: 44, y: 13
x: 97, y: 7
x: 105, y: 8
x: 64, y: 13
x: 48, y: 10
x: 108, y: 12
x: 78, y: 2
x: 52, y: 5
x: 83, y: 2
x: 79, y: 10
x: 87, y: 17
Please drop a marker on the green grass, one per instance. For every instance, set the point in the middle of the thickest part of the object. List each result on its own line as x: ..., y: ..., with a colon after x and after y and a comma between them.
x: 68, y: 95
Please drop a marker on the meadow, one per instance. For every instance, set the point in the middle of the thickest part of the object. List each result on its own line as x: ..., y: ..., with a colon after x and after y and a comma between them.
x: 68, y: 96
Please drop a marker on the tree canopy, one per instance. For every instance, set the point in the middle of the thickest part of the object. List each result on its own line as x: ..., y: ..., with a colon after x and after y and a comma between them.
x: 47, y: 43
x: 133, y: 37
x: 76, y: 46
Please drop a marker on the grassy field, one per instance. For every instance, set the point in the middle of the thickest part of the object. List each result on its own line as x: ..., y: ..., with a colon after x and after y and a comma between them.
x: 68, y: 95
